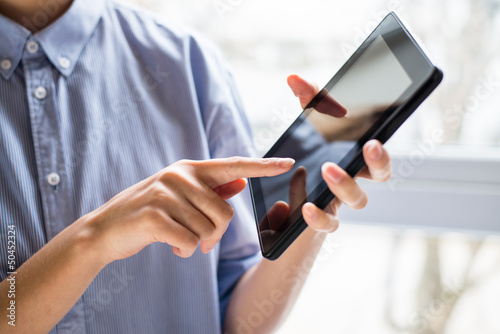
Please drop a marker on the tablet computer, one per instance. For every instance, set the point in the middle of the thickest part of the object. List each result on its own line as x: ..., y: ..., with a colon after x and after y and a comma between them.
x: 377, y: 89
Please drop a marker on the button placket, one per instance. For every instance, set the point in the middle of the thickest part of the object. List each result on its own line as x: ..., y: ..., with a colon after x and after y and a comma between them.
x: 48, y: 143
x: 53, y: 180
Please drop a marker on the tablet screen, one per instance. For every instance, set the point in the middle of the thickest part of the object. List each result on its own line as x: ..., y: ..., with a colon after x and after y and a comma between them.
x: 367, y: 90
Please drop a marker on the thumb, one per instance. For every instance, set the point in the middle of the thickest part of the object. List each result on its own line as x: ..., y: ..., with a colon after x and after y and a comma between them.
x: 228, y: 190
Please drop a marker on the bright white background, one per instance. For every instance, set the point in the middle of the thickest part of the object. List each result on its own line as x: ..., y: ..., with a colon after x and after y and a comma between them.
x: 424, y: 257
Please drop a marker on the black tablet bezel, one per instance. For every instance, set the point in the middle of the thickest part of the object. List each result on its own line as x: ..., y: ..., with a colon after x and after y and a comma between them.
x: 425, y: 77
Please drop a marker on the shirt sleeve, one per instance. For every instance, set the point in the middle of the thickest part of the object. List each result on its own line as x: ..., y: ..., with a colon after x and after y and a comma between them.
x: 228, y: 133
x: 239, y: 247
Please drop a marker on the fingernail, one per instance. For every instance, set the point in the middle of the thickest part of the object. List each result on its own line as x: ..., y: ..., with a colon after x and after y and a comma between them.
x: 310, y: 211
x: 331, y: 173
x: 286, y: 162
x: 375, y: 151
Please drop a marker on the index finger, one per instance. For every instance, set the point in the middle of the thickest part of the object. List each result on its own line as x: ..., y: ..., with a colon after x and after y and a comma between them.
x: 216, y: 172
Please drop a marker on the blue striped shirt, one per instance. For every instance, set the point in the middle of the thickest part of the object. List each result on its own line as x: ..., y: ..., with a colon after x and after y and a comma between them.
x: 99, y: 100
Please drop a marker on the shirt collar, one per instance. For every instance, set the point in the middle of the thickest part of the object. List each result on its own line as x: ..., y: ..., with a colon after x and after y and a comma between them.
x: 62, y: 41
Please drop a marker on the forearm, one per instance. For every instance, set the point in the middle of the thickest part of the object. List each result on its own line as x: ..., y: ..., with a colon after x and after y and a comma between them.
x: 55, y: 277
x: 266, y: 293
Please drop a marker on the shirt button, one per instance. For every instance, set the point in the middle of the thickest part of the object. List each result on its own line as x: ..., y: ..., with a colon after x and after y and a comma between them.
x: 6, y: 64
x: 53, y: 179
x: 64, y: 62
x: 40, y: 93
x: 32, y: 47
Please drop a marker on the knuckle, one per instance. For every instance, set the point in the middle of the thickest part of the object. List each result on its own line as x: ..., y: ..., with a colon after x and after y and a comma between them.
x: 361, y: 202
x: 227, y: 212
x: 178, y: 170
x: 183, y: 162
x: 158, y: 197
x: 233, y: 165
x: 333, y: 226
x: 152, y: 221
x: 185, y: 253
x: 322, y: 226
x: 206, y: 230
x: 153, y: 215
x: 268, y: 161
x: 201, y: 198
x: 234, y: 160
x: 382, y: 175
x: 168, y: 175
x: 176, y: 178
x: 156, y: 190
x: 191, y: 217
x: 191, y: 242
x: 157, y: 237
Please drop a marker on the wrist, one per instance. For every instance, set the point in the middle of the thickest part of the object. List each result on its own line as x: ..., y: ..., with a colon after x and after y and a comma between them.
x: 90, y: 239
x: 312, y: 238
x: 306, y: 245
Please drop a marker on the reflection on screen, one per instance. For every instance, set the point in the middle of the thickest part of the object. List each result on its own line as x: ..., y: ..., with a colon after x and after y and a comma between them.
x: 364, y: 93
